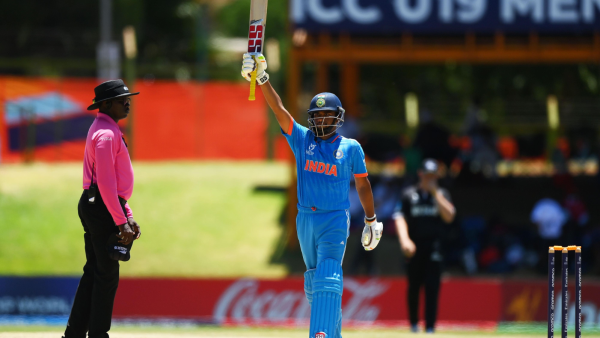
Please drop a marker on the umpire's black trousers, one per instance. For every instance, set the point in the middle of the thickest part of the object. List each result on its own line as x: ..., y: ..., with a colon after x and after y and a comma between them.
x: 93, y: 304
x: 424, y: 270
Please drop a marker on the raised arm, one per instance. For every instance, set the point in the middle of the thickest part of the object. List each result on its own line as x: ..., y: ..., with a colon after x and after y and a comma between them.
x: 442, y: 199
x: 447, y: 210
x: 281, y: 114
x: 249, y: 64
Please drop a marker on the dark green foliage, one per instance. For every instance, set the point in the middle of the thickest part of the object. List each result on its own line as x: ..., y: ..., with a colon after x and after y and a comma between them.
x: 50, y: 14
x: 446, y: 91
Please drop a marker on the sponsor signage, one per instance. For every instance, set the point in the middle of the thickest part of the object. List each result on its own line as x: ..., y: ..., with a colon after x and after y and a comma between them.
x: 282, y: 302
x: 446, y: 16
x: 24, y: 296
x: 528, y: 301
x: 483, y: 303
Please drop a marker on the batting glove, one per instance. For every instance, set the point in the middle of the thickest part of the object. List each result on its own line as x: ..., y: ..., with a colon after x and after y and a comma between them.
x: 371, y: 234
x: 249, y: 64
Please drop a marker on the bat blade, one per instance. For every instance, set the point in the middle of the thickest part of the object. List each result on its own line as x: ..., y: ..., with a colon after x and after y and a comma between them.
x: 258, y: 11
x: 258, y: 22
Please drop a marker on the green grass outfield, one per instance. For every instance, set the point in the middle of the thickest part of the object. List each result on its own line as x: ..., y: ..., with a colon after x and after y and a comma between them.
x: 198, y: 219
x: 207, y: 331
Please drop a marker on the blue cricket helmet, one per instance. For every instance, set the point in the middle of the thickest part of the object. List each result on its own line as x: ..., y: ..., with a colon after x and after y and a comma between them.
x: 325, y: 101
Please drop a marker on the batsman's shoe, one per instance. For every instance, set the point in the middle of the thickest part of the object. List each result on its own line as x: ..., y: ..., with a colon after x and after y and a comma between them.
x: 258, y: 62
x: 371, y: 234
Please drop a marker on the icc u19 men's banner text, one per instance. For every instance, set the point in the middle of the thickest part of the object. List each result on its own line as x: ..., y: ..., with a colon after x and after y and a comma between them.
x: 446, y: 16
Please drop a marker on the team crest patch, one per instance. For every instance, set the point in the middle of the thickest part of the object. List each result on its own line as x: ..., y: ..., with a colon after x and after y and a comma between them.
x: 338, y: 154
x: 320, y: 102
x: 127, y: 89
x: 320, y: 335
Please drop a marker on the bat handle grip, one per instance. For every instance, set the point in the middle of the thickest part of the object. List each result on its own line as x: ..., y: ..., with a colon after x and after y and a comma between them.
x: 252, y: 96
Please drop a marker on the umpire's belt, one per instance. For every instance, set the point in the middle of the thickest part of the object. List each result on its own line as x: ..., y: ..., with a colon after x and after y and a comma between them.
x: 312, y: 210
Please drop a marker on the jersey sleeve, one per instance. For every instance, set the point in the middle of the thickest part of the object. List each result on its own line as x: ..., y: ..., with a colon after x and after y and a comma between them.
x: 128, y: 210
x: 295, y: 135
x: 359, y: 166
x: 106, y: 177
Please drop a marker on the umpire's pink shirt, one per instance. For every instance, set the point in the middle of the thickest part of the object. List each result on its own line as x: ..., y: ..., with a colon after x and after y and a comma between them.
x: 106, y: 152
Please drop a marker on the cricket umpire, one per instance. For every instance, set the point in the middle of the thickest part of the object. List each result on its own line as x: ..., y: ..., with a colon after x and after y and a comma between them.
x: 422, y: 214
x: 107, y: 219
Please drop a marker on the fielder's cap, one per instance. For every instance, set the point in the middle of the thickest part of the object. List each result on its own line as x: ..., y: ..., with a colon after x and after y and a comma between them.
x: 429, y: 166
x: 116, y: 250
x: 109, y: 90
x: 325, y: 101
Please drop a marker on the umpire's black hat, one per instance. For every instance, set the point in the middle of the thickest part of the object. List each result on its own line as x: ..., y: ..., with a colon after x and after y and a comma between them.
x: 116, y: 250
x: 109, y: 90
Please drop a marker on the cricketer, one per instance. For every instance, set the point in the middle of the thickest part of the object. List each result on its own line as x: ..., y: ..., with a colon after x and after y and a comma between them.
x: 325, y: 163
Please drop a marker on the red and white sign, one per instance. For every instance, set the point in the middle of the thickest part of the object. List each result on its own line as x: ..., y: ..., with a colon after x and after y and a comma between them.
x: 365, y: 302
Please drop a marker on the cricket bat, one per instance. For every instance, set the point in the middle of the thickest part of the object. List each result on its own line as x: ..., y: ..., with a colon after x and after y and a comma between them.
x: 256, y: 36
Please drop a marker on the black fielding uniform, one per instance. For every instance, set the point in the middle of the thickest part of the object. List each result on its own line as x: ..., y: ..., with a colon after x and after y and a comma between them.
x: 426, y: 229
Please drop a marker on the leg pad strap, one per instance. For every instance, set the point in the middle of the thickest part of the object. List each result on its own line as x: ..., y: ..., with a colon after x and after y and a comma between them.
x: 328, y: 277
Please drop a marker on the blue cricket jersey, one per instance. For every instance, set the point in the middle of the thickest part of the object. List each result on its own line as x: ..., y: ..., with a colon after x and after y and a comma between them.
x: 324, y: 167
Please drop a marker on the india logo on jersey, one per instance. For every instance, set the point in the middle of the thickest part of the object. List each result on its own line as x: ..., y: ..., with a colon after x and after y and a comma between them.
x: 321, y: 168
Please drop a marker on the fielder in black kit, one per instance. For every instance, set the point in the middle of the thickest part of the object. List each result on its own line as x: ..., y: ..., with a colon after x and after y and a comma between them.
x: 421, y: 216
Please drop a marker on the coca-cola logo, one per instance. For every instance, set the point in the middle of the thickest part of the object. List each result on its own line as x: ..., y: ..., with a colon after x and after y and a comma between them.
x: 242, y: 302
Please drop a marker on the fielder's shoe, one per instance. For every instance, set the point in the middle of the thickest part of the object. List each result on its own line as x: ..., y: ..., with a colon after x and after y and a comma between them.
x: 430, y: 330
x: 414, y: 328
